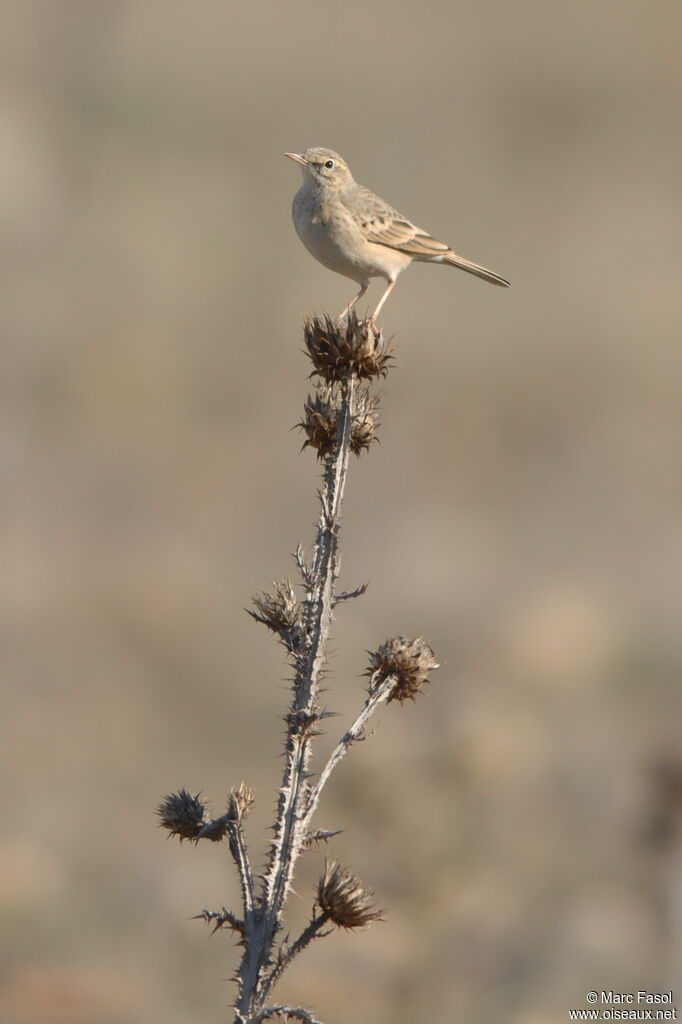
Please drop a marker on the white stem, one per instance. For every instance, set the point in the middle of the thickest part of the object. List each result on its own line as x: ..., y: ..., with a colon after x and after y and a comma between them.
x: 345, y: 743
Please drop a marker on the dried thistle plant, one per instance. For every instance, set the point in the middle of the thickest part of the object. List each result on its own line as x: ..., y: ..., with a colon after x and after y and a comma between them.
x: 340, y: 418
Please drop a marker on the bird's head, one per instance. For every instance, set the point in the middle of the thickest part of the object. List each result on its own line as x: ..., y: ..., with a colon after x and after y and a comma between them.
x: 323, y: 168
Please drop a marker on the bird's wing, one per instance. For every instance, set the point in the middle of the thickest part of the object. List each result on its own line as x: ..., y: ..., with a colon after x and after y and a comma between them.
x: 383, y: 225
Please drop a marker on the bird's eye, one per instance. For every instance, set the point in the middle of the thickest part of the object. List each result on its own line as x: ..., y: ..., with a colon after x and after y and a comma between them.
x: 329, y: 164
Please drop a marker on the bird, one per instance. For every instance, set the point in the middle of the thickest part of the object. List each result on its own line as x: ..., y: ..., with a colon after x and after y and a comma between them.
x: 354, y: 232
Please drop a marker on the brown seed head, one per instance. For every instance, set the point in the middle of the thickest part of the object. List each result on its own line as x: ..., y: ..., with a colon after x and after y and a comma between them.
x: 240, y: 801
x: 278, y: 610
x: 365, y: 421
x: 408, y: 662
x: 338, y: 351
x: 343, y: 897
x: 182, y: 814
x: 321, y: 420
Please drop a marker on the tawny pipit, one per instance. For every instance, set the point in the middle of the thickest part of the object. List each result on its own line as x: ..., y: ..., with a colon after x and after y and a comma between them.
x: 352, y: 231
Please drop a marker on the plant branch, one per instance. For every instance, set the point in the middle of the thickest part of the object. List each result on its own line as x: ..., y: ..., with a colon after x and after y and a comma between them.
x: 374, y: 701
x: 346, y: 595
x: 340, y: 418
x: 302, y: 565
x: 317, y: 615
x: 241, y: 859
x: 313, y: 931
x: 220, y: 918
x: 320, y: 835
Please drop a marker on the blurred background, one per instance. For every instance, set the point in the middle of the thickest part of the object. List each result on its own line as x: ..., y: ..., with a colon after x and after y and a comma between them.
x: 520, y: 823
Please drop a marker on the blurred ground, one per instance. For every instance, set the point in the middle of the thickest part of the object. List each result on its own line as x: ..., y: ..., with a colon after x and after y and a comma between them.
x: 522, y: 511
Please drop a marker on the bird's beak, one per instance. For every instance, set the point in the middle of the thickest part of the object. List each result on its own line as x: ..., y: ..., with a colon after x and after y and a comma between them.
x: 298, y: 157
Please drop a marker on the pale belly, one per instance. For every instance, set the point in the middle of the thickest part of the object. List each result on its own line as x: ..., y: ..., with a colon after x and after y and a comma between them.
x: 338, y: 245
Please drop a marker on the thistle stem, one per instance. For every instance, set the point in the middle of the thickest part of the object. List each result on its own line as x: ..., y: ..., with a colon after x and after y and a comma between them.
x: 343, y: 746
x: 258, y: 970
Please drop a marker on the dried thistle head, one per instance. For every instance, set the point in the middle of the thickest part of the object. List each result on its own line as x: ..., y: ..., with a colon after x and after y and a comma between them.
x: 182, y: 814
x: 278, y: 609
x: 321, y: 420
x: 240, y: 801
x: 365, y: 421
x: 338, y: 351
x: 345, y: 900
x: 408, y: 662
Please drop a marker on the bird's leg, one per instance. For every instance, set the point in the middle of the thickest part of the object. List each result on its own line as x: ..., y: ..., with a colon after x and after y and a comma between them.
x: 346, y: 311
x: 389, y: 288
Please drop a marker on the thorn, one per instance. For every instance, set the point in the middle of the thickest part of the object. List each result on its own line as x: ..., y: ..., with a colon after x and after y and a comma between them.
x: 321, y: 835
x: 346, y: 595
x: 220, y: 919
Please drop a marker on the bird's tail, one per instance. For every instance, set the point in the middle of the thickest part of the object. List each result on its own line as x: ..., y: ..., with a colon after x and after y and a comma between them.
x: 453, y: 260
